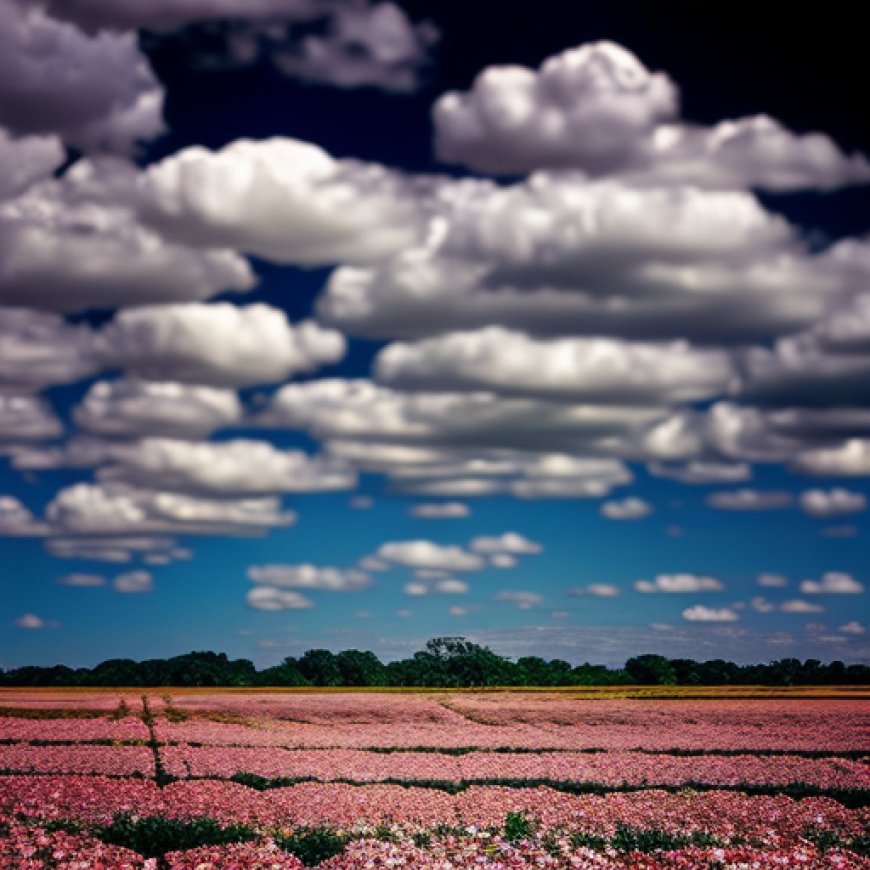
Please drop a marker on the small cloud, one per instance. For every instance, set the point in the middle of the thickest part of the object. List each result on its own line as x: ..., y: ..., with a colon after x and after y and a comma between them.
x: 853, y: 627
x: 660, y: 626
x: 440, y: 510
x: 832, y: 583
x: 772, y: 581
x: 797, y: 605
x: 404, y: 614
x: 509, y: 542
x: 451, y: 586
x: 679, y: 583
x: 601, y: 590
x: 762, y: 605
x: 523, y: 600
x: 630, y: 508
x: 133, y: 582
x: 750, y: 500
x: 833, y: 502
x: 361, y: 502
x: 30, y: 621
x: 457, y: 611
x: 415, y: 589
x: 559, y: 614
x: 503, y: 560
x: 700, y: 613
x: 82, y: 580
x: 362, y: 614
x: 675, y: 531
x: 268, y: 598
x: 373, y: 563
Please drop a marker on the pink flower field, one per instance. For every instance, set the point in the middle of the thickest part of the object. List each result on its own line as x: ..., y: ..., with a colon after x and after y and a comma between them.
x: 449, y: 780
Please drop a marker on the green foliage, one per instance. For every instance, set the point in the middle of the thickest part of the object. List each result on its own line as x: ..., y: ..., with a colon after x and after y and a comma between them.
x: 651, y: 670
x: 122, y: 711
x: 154, y: 836
x: 583, y: 839
x: 518, y: 826
x: 627, y: 839
x: 313, y: 845
x: 422, y: 839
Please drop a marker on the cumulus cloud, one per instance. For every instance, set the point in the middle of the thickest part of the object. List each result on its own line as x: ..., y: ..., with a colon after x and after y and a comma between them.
x: 239, y: 467
x: 852, y: 627
x: 832, y: 583
x: 749, y: 500
x: 700, y: 613
x: 118, y: 549
x: 522, y: 599
x: 851, y: 458
x: 130, y: 407
x: 772, y: 581
x: 82, y: 580
x: 118, y: 509
x: 798, y: 605
x: 702, y: 471
x: 27, y: 418
x: 833, y: 502
x: 269, y: 598
x: 30, y: 621
x: 39, y: 350
x: 630, y: 508
x: 17, y: 520
x: 427, y: 554
x: 65, y: 248
x: 284, y: 200
x: 440, y: 510
x: 602, y: 370
x: 598, y: 590
x: 133, y: 582
x: 679, y: 583
x: 220, y: 345
x: 503, y: 560
x: 95, y: 91
x: 510, y: 542
x: 307, y: 576
x: 26, y: 159
x: 597, y: 108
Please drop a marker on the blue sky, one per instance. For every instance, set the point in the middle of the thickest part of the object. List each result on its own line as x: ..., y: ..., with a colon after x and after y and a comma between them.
x: 335, y: 324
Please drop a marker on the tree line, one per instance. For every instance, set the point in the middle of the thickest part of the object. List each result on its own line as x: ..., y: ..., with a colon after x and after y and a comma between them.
x: 445, y: 662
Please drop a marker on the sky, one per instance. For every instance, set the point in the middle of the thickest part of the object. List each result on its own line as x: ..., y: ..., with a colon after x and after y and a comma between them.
x: 348, y: 324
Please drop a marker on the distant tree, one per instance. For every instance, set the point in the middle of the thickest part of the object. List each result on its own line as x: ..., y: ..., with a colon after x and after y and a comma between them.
x: 651, y: 670
x: 320, y: 667
x: 358, y: 668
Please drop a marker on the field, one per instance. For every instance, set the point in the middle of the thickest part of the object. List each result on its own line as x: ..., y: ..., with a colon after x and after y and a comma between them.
x: 280, y: 779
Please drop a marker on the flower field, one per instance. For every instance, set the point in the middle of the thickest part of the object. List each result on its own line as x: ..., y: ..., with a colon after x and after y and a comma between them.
x: 451, y: 780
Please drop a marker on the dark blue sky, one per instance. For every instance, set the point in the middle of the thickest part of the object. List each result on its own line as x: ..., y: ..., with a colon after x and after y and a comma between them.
x: 584, y: 358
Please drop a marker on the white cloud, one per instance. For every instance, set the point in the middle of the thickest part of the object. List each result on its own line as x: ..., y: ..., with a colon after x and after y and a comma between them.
x: 16, y: 520
x: 38, y: 350
x: 509, y: 542
x: 772, y: 581
x: 426, y: 554
x: 26, y: 159
x: 415, y: 588
x: 599, y: 109
x: 832, y: 583
x: 852, y: 627
x: 75, y: 243
x: 221, y: 345
x: 679, y: 583
x: 118, y: 549
x: 440, y: 510
x: 851, y: 458
x: 31, y: 621
x: 798, y: 605
x: 749, y: 500
x: 27, y: 418
x: 702, y: 471
x: 523, y: 600
x: 131, y: 407
x: 373, y: 563
x: 269, y: 598
x: 700, y: 613
x: 133, y: 582
x: 97, y: 92
x: 603, y: 370
x: 760, y: 604
x: 599, y: 590
x: 458, y: 611
x: 284, y: 200
x: 630, y: 508
x: 82, y: 580
x: 117, y: 509
x: 833, y: 502
x: 308, y: 576
x: 238, y: 467
x: 503, y: 560
x: 451, y: 586
x: 361, y: 502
